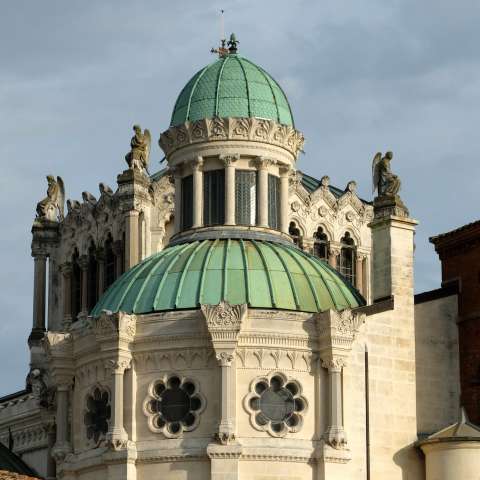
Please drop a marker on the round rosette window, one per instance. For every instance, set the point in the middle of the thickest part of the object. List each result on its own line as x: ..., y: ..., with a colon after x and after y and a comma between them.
x: 97, y: 414
x: 276, y: 404
x: 173, y: 405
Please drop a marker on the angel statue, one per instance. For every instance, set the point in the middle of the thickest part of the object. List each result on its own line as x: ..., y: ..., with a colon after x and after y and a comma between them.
x: 138, y: 156
x: 52, y: 206
x: 386, y: 182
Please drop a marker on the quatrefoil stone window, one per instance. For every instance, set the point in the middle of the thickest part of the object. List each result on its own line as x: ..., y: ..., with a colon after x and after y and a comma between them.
x: 276, y: 404
x: 97, y: 414
x: 173, y: 405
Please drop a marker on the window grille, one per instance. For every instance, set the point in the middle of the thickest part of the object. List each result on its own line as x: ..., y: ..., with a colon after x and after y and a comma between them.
x: 214, y: 197
x: 273, y: 201
x: 347, y: 258
x: 320, y: 244
x: 187, y: 202
x: 245, y: 197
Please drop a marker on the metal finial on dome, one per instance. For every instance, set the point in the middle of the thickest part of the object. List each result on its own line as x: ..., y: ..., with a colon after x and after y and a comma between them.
x: 233, y: 43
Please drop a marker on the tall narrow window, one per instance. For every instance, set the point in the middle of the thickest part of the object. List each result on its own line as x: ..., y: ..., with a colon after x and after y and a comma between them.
x: 347, y: 258
x: 109, y: 263
x: 294, y: 232
x: 245, y: 197
x: 320, y: 244
x: 273, y: 201
x: 187, y: 202
x: 76, y: 289
x: 214, y: 197
x: 92, y: 277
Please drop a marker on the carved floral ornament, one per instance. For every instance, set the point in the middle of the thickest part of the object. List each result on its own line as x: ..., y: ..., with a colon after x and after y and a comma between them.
x: 115, y: 325
x: 251, y: 129
x: 224, y: 316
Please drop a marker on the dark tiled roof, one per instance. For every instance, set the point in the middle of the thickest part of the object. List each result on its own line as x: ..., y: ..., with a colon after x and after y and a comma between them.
x: 464, y: 229
x: 10, y: 462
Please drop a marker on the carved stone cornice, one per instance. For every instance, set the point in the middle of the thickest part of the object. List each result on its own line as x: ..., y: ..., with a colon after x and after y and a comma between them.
x: 115, y: 326
x: 247, y: 129
x: 336, y: 333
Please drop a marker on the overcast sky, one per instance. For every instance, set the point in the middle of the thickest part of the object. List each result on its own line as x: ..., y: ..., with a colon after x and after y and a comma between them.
x: 360, y: 76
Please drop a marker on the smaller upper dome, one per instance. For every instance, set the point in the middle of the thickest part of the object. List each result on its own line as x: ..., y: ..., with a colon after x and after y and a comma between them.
x: 232, y: 86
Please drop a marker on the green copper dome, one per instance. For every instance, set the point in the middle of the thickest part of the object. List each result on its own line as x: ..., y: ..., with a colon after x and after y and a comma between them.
x: 232, y: 86
x: 259, y: 273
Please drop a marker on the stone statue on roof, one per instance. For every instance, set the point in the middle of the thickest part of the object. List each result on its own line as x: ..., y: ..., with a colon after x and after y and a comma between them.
x: 138, y: 157
x: 384, y: 181
x: 52, y: 206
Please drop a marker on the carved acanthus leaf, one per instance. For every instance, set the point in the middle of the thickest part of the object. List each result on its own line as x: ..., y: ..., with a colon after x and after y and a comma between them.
x: 115, y: 325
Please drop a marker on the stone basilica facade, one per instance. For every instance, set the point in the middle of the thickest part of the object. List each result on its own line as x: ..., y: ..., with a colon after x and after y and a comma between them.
x: 231, y: 317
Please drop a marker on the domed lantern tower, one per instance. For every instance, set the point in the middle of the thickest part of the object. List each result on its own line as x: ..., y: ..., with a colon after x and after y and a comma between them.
x: 211, y: 344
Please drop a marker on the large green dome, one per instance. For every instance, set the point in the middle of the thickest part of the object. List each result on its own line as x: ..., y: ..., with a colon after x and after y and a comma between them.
x: 259, y: 273
x: 232, y: 86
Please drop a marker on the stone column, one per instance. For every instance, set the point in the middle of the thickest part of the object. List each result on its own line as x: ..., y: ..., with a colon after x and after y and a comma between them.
x: 197, y: 165
x: 229, y: 162
x: 116, y: 435
x: 39, y: 294
x: 83, y: 262
x: 226, y: 427
x: 119, y: 257
x: 284, y: 203
x: 66, y: 270
x: 334, y: 250
x: 262, y: 189
x: 360, y: 258
x: 178, y: 199
x: 100, y: 256
x: 335, y: 434
x: 62, y: 445
x: 51, y: 465
x: 131, y: 239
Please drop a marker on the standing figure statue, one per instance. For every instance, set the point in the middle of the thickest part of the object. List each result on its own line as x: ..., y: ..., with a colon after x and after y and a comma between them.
x: 386, y: 182
x: 138, y: 157
x: 52, y: 206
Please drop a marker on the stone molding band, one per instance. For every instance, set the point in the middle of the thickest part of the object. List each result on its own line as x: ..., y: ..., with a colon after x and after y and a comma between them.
x: 249, y: 129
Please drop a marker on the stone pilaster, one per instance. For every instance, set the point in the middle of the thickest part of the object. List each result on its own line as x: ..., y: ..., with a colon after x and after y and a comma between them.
x: 360, y: 272
x: 334, y: 250
x: 336, y: 334
x: 229, y: 162
x: 114, y: 333
x: 131, y: 238
x: 224, y: 323
x: 39, y: 295
x: 197, y: 165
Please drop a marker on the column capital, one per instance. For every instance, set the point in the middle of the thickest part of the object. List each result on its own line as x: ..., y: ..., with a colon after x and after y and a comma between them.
x: 334, y: 364
x: 284, y: 170
x: 262, y: 163
x: 229, y: 159
x: 117, y: 247
x: 196, y: 163
x: 39, y: 253
x: 117, y: 366
x: 361, y: 256
x: 66, y: 268
x: 225, y: 359
x: 335, y: 248
x: 176, y: 171
x: 83, y: 262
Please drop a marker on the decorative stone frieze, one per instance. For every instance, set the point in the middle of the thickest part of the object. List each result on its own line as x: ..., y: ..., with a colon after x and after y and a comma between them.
x: 250, y: 129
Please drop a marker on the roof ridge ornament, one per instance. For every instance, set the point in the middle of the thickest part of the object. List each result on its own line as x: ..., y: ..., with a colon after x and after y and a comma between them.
x: 222, y: 50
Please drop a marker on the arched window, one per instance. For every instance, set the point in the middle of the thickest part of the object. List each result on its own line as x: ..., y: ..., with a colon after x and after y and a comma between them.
x: 347, y: 258
x: 320, y: 244
x: 109, y: 262
x: 214, y: 197
x: 76, y: 288
x: 245, y: 197
x: 294, y: 232
x: 92, y: 277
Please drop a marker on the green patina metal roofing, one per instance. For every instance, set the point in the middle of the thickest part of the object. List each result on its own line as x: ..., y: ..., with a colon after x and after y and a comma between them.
x: 232, y: 86
x: 260, y: 274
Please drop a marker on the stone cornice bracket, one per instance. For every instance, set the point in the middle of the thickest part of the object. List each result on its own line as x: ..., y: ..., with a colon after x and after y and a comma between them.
x: 231, y: 128
x: 336, y: 333
x: 229, y: 159
x: 224, y: 322
x: 118, y: 326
